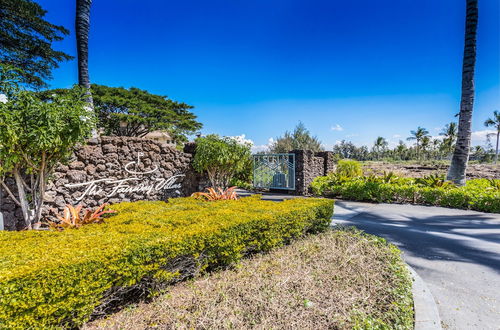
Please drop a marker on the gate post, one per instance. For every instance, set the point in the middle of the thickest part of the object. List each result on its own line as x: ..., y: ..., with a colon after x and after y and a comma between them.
x: 303, y: 160
x: 308, y: 166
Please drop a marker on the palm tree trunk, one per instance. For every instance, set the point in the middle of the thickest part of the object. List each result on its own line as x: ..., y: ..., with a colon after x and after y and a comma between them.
x: 496, y: 150
x: 82, y: 27
x: 460, y: 158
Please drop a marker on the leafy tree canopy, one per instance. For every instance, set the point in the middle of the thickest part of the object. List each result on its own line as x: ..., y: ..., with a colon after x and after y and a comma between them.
x: 136, y: 112
x: 300, y: 138
x: 26, y: 41
x: 221, y: 158
x: 347, y: 149
x: 35, y: 135
x: 449, y: 133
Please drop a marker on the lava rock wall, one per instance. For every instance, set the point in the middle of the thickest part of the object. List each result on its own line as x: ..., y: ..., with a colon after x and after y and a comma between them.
x: 113, y: 170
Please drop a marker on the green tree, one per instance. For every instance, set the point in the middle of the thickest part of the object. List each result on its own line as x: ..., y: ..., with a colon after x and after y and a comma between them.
x: 26, y: 41
x: 449, y: 134
x: 495, y: 123
x: 299, y: 139
x: 347, y: 149
x: 437, y: 146
x: 379, y: 146
x: 479, y: 154
x: 401, y: 149
x: 34, y: 137
x: 418, y: 135
x: 425, y: 144
x: 9, y: 80
x: 221, y: 158
x: 460, y: 158
x: 136, y: 112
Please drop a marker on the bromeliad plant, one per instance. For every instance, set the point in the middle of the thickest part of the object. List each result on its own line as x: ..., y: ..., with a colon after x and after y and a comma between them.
x: 72, y: 217
x: 495, y: 184
x: 217, y: 194
x: 434, y: 181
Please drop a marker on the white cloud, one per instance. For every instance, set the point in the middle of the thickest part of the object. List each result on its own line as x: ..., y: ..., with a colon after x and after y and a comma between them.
x: 242, y: 139
x: 337, y: 127
x: 479, y: 137
x: 396, y: 136
x: 351, y: 135
x: 263, y: 147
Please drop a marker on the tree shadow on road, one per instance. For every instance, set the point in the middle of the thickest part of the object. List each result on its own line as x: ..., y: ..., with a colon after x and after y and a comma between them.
x: 473, y: 238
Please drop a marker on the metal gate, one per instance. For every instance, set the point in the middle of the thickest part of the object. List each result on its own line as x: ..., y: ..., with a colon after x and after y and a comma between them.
x: 274, y: 171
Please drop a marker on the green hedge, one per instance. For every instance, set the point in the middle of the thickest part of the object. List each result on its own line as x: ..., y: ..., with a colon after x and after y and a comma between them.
x: 61, y: 278
x: 478, y: 194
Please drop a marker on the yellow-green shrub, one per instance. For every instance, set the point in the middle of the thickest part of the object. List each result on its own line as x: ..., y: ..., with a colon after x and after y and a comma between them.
x: 349, y: 168
x: 60, y: 278
x: 478, y: 194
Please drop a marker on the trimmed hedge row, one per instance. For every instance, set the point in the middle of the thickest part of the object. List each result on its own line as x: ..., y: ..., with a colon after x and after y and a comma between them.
x: 61, y: 278
x: 478, y: 194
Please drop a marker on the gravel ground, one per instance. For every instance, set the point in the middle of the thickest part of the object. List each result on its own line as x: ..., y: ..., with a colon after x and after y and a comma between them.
x: 474, y: 171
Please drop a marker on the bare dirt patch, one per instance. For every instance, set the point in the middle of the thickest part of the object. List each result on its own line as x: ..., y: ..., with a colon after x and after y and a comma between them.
x: 335, y: 280
x: 474, y: 171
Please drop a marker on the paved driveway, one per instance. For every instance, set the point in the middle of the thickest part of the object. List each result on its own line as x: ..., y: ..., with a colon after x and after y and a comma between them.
x: 456, y: 252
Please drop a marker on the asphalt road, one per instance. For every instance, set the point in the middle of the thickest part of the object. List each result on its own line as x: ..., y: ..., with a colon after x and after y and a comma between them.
x: 456, y: 252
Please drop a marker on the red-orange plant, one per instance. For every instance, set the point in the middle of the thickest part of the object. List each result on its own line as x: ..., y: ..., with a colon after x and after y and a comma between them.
x: 72, y: 217
x: 217, y: 194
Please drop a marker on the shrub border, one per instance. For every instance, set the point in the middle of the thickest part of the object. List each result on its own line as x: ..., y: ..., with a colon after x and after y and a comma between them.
x: 379, y: 192
x: 53, y: 297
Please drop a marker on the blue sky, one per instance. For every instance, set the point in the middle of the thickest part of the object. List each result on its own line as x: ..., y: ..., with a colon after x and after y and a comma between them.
x: 350, y: 70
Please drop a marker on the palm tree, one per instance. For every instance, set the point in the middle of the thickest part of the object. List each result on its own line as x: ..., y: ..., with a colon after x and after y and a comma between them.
x: 478, y: 153
x: 450, y: 136
x: 380, y: 145
x: 425, y: 143
x: 436, y: 145
x: 400, y: 149
x: 418, y: 135
x: 458, y: 166
x: 82, y: 27
x: 494, y: 122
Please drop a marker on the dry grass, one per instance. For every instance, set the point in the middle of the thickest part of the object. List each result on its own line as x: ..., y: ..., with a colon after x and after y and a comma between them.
x: 336, y: 280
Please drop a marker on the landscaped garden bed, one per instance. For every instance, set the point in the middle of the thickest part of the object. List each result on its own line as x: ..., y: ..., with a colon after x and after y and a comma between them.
x: 348, y: 182
x: 478, y: 194
x: 62, y: 278
x: 341, y: 279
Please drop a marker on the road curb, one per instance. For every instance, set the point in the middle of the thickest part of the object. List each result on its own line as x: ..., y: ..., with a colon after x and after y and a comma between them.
x: 426, y: 311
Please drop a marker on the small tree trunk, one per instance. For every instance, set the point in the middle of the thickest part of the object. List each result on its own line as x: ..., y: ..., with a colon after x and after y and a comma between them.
x: 41, y: 191
x: 458, y: 166
x: 23, y: 200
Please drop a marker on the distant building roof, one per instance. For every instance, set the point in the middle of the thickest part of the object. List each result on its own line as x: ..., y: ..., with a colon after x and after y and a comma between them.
x: 160, y: 136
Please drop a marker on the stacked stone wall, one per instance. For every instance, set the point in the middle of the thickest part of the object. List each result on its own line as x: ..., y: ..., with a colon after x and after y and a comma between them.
x: 308, y: 166
x: 112, y: 170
